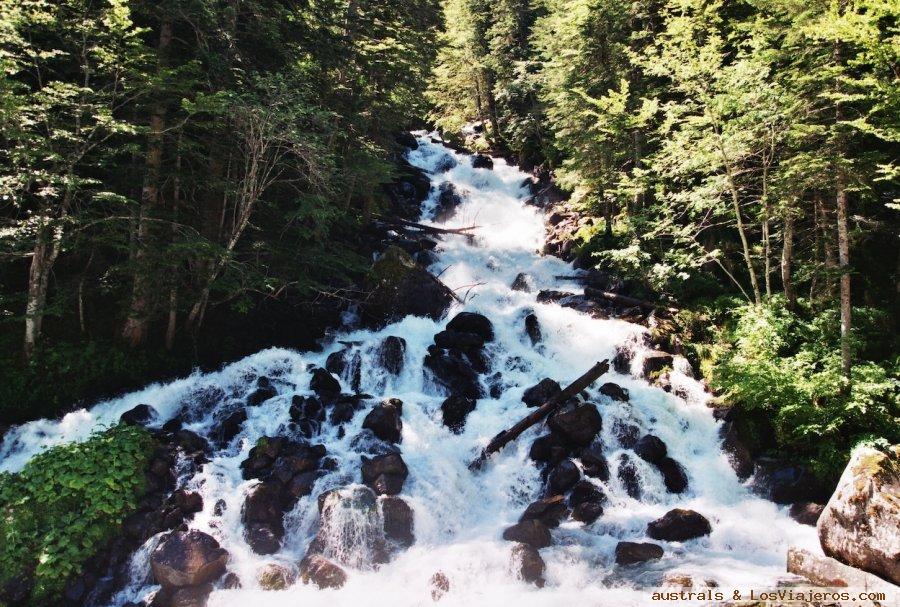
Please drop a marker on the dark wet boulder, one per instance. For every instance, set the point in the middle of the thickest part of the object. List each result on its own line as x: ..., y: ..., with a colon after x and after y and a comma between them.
x: 650, y: 449
x: 188, y: 558
x: 347, y: 365
x: 426, y: 258
x: 586, y: 501
x: 614, y: 391
x: 458, y: 340
x: 550, y: 511
x: 628, y: 475
x: 141, y: 415
x: 398, y: 521
x: 577, y: 423
x: 594, y: 463
x: 385, y: 474
x: 400, y: 287
x: 654, y: 363
x: 806, y: 513
x: 533, y: 329
x: 674, y: 475
x: 344, y: 408
x: 263, y: 392
x: 679, y: 525
x: 384, y: 420
x: 531, y: 532
x: 191, y: 443
x: 453, y: 371
x: 264, y: 504
x: 448, y: 201
x: 563, y: 477
x: 549, y: 448
x: 455, y: 410
x: 230, y: 427
x: 540, y: 393
x: 318, y: 570
x: 471, y: 322
x: 522, y: 282
x: 263, y: 538
x: 528, y: 564
x: 629, y: 553
x: 231, y: 581
x: 390, y: 354
x: 193, y: 596
x: 324, y: 384
x: 188, y: 502
x: 621, y: 362
x: 786, y: 483
x: 481, y: 161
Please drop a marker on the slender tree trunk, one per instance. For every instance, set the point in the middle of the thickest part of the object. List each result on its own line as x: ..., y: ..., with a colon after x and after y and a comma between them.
x: 787, y: 260
x: 735, y: 201
x: 172, y: 325
x: 844, y: 261
x: 135, y: 330
x: 46, y: 250
x: 638, y: 158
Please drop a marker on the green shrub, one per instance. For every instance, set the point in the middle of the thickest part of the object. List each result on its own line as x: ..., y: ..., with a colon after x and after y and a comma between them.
x: 66, y: 504
x: 785, y: 369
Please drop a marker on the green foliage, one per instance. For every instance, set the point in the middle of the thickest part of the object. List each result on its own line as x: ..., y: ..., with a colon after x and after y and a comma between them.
x: 66, y: 504
x: 785, y: 368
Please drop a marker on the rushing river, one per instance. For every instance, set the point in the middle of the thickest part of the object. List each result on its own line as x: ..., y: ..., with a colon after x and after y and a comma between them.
x: 459, y: 515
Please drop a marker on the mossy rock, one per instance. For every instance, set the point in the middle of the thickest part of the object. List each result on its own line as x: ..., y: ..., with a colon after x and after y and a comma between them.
x: 400, y: 287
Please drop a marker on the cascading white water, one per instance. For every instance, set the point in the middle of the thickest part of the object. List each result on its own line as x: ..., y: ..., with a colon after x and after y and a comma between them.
x: 460, y: 515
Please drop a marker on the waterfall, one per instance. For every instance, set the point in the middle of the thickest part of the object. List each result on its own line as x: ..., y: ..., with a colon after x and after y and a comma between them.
x: 460, y: 516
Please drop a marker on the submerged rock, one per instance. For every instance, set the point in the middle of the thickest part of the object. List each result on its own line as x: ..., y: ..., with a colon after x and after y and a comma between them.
x: 533, y: 329
x: 679, y: 525
x: 522, y: 282
x: 440, y: 585
x: 627, y: 474
x: 398, y: 521
x: 390, y: 354
x: 860, y: 523
x: 528, y: 564
x: 594, y: 463
x: 480, y: 161
x: 614, y: 391
x: 275, y: 577
x: 650, y: 449
x: 455, y: 410
x: 674, y: 475
x: 563, y: 477
x: 141, y: 415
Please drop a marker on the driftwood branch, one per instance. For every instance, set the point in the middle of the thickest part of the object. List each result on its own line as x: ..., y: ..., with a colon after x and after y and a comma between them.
x: 507, y: 436
x: 625, y: 300
x: 403, y: 223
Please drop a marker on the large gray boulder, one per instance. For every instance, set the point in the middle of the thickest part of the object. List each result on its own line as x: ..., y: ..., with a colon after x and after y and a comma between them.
x: 860, y: 523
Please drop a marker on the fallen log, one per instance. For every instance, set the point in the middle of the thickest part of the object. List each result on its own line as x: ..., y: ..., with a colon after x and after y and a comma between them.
x: 396, y: 221
x: 625, y: 300
x: 507, y: 436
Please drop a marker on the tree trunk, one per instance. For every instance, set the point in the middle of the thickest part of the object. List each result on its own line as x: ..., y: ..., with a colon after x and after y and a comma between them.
x: 492, y: 107
x: 735, y: 201
x: 172, y: 325
x: 787, y: 260
x: 844, y: 266
x: 135, y: 330
x: 46, y: 249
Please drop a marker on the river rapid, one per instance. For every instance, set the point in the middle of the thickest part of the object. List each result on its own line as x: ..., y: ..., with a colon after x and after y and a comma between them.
x: 459, y: 516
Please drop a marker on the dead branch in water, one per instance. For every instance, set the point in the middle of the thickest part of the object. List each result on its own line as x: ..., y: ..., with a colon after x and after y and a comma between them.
x: 403, y: 223
x: 507, y: 436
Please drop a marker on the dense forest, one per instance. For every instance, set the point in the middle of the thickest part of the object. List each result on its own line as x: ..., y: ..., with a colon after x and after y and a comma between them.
x: 740, y: 159
x: 164, y: 162
x: 175, y: 172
